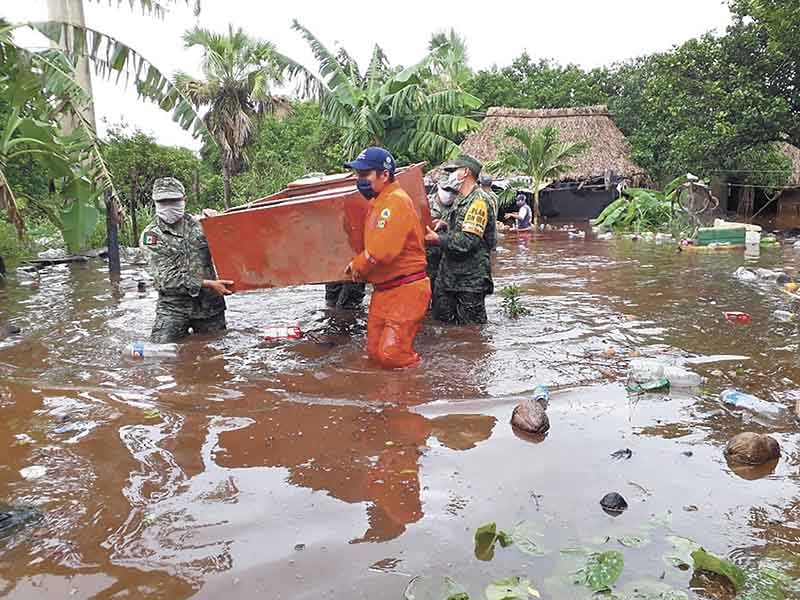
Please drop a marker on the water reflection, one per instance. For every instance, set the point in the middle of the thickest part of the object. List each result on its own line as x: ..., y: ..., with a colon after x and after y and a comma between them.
x: 354, y: 454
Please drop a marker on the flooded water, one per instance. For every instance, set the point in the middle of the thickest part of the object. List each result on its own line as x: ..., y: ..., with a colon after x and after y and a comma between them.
x: 299, y: 470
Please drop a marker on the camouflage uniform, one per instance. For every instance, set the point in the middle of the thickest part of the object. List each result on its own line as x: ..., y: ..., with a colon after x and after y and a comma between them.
x: 179, y: 260
x: 345, y: 295
x: 434, y: 253
x: 465, y: 272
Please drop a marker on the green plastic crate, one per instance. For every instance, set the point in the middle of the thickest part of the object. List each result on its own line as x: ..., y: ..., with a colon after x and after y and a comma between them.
x: 721, y: 235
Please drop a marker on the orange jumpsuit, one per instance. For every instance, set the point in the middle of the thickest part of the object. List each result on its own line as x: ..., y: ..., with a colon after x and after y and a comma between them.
x: 394, y: 261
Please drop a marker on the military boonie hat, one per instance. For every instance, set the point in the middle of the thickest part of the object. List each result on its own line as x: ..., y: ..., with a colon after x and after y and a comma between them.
x: 464, y: 160
x: 167, y: 188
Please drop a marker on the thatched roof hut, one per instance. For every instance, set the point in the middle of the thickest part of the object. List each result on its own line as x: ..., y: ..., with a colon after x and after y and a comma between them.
x: 608, y: 149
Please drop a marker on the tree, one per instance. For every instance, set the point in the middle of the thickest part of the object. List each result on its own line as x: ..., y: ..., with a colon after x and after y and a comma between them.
x: 239, y: 73
x: 540, y: 156
x: 286, y: 149
x: 701, y: 107
x: 538, y: 84
x: 392, y: 107
x: 450, y: 61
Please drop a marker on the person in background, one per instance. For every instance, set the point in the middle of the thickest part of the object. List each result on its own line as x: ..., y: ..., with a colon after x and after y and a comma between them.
x: 464, y: 278
x: 441, y: 202
x: 393, y: 261
x: 523, y: 216
x: 190, y: 297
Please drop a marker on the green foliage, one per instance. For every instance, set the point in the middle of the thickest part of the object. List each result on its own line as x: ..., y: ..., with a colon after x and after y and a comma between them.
x: 526, y: 537
x: 601, y: 571
x: 486, y: 537
x: 286, y: 149
x: 397, y: 108
x: 538, y: 84
x: 538, y: 155
x: 705, y: 561
x: 511, y: 588
x: 640, y: 209
x: 512, y: 306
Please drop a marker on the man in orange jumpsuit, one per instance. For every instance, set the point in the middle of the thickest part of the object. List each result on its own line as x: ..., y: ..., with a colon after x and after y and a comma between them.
x: 393, y: 261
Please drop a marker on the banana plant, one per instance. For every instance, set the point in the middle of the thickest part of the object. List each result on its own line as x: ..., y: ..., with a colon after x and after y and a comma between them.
x: 402, y: 109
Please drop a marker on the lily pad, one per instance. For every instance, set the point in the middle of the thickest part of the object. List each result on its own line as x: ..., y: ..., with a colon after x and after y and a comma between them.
x: 680, y: 555
x: 705, y: 561
x: 512, y: 588
x: 525, y: 536
x: 602, y: 570
x: 633, y: 541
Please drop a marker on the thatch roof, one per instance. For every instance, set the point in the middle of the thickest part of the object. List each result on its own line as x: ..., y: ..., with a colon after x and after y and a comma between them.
x: 592, y: 124
x: 793, y: 152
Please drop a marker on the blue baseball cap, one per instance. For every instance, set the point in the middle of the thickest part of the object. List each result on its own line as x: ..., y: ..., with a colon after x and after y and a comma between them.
x: 373, y: 158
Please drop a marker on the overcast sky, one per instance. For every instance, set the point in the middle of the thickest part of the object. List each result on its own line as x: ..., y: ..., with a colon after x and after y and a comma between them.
x: 588, y: 33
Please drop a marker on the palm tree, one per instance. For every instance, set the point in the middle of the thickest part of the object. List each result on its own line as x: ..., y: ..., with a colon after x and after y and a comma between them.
x: 450, y: 60
x: 239, y: 73
x: 393, y: 107
x: 540, y: 156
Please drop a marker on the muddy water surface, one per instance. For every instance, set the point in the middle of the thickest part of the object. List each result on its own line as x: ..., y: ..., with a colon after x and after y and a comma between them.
x: 299, y: 470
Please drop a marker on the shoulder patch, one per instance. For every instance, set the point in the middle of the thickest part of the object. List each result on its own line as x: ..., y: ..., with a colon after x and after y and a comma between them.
x: 476, y: 218
x: 150, y: 239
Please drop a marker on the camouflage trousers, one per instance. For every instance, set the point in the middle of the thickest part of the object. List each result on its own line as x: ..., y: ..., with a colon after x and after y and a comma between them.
x: 461, y: 308
x: 171, y: 326
x: 346, y: 296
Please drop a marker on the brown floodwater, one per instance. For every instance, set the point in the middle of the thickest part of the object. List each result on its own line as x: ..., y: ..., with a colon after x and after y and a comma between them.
x: 299, y: 470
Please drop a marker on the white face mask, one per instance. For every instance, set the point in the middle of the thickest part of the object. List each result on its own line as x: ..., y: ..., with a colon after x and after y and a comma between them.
x: 171, y: 212
x: 446, y: 197
x: 454, y: 181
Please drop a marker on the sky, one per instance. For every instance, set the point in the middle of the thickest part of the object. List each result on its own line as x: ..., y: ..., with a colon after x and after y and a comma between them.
x: 583, y: 32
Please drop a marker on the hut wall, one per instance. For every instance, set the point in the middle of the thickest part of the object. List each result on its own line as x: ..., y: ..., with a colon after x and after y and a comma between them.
x: 788, y: 216
x: 575, y: 205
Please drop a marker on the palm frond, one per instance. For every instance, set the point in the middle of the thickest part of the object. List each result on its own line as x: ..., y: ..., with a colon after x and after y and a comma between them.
x: 153, y: 7
x: 112, y: 58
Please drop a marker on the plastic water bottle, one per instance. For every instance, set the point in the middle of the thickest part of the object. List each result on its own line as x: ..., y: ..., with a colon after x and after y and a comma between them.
x: 742, y: 400
x: 148, y: 350
x: 643, y: 370
x: 680, y: 377
x: 292, y: 332
x: 541, y: 394
x: 784, y: 316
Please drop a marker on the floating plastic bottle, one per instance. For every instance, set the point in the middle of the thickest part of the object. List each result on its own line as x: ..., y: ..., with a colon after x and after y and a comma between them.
x: 784, y: 316
x: 680, y: 377
x: 739, y: 399
x: 541, y: 393
x: 283, y: 333
x: 148, y: 350
x: 644, y: 370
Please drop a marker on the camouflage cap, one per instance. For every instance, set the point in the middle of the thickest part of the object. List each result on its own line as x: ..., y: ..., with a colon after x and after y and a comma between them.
x: 464, y: 160
x: 167, y: 188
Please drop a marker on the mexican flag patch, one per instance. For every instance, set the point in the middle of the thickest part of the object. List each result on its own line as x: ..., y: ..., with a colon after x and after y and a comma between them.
x: 150, y: 239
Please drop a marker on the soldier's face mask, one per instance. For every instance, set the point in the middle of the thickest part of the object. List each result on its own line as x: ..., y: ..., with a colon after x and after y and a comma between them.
x: 446, y: 197
x: 171, y: 211
x: 456, y: 178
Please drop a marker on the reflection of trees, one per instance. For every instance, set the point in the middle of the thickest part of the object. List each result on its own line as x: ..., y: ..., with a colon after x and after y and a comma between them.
x: 355, y: 454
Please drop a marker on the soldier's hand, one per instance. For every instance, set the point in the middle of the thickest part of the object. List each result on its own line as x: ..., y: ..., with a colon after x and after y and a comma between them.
x: 439, y: 225
x: 431, y: 237
x: 221, y: 286
x: 210, y: 212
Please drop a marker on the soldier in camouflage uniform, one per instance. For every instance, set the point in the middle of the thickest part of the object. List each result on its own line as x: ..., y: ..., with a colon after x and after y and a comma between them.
x: 189, y: 294
x: 441, y: 202
x: 465, y: 272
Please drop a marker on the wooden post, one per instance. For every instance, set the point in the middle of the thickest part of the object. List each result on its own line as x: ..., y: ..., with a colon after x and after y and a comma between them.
x: 112, y: 238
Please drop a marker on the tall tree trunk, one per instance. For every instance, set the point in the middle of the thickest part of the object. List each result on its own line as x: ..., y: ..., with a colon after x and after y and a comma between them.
x: 226, y: 180
x: 71, y: 11
x: 132, y: 207
x: 536, y: 207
